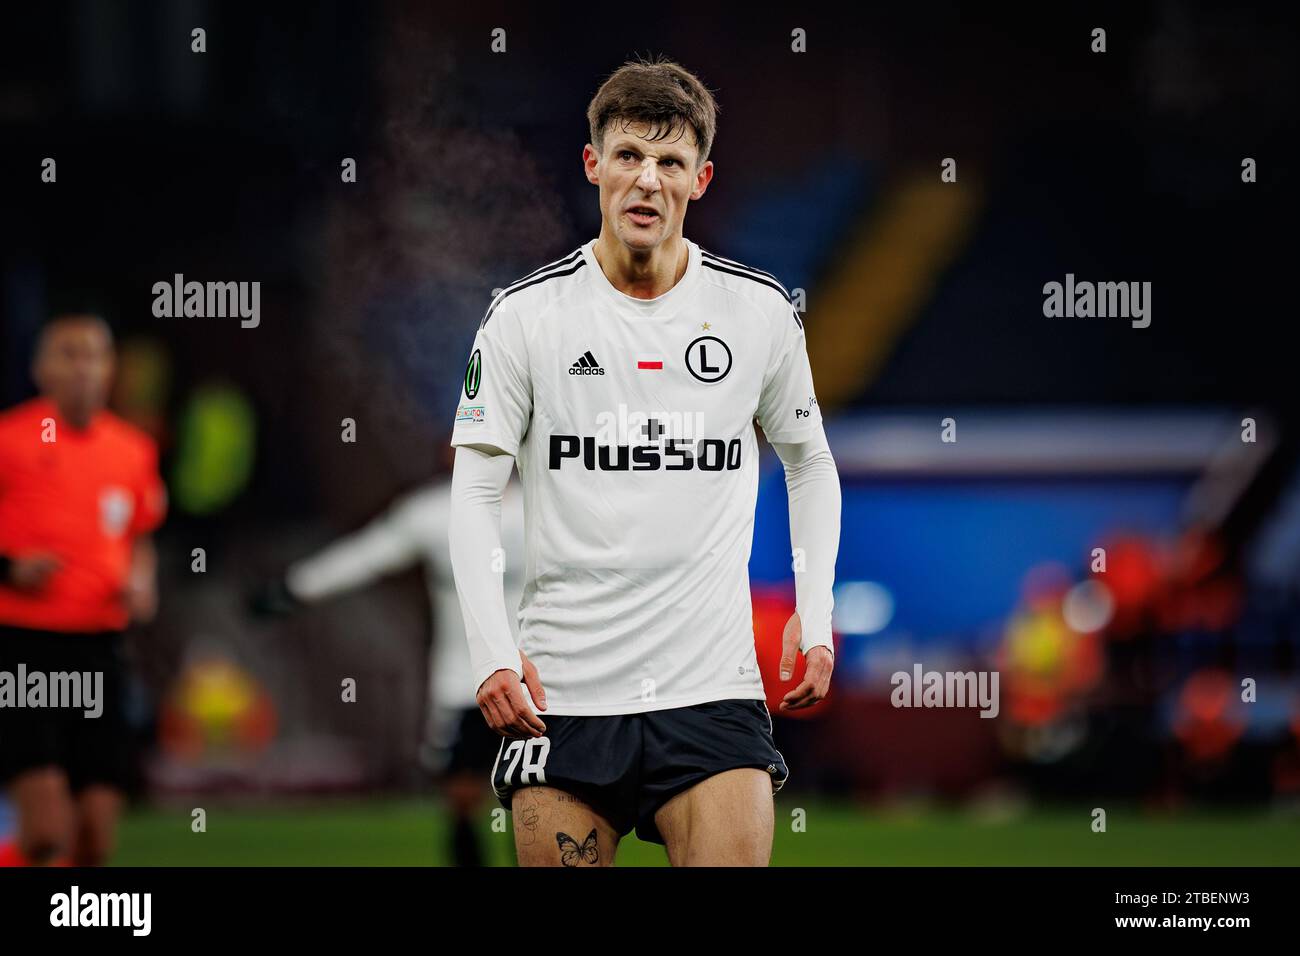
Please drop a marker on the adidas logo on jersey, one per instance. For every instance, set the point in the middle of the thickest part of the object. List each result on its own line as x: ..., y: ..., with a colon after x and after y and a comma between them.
x: 586, y: 365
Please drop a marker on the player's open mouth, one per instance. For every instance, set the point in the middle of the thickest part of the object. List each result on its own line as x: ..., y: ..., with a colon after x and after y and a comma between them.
x: 642, y: 215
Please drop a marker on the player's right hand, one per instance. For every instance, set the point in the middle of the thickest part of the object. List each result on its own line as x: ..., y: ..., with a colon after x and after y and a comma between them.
x: 504, y: 705
x: 32, y: 571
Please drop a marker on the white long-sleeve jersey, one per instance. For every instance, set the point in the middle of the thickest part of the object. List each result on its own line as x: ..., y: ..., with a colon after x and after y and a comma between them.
x: 631, y: 422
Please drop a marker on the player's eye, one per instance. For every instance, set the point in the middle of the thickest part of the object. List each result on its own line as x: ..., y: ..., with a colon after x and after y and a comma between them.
x: 626, y: 152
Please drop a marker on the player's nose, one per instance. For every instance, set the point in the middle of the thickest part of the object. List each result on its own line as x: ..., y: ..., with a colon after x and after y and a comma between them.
x: 649, y: 175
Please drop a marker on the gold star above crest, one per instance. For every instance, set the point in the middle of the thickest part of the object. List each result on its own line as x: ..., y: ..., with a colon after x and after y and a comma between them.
x: 705, y: 327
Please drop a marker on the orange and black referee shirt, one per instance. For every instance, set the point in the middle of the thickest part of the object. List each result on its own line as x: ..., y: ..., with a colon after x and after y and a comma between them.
x: 83, y: 497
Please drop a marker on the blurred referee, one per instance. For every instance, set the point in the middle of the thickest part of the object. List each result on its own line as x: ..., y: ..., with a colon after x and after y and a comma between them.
x: 79, y: 495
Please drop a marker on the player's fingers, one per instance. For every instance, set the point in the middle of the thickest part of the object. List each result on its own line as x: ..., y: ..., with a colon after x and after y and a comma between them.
x: 828, y: 668
x: 821, y: 687
x: 532, y: 724
x: 799, y: 697
x: 807, y: 701
x: 503, y: 712
x: 534, y: 683
x: 492, y: 714
x: 521, y: 726
x: 514, y: 726
x: 523, y: 716
x: 810, y: 692
x: 790, y: 645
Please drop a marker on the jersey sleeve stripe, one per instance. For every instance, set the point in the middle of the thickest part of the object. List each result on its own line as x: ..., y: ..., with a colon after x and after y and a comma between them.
x: 723, y: 261
x: 749, y: 275
x: 526, y: 282
x: 731, y: 267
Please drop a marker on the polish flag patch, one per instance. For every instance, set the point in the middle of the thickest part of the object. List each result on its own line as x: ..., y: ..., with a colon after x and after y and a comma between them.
x: 649, y: 361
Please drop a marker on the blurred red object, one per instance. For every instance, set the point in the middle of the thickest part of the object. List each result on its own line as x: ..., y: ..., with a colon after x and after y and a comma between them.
x: 1133, y: 574
x: 1208, y: 723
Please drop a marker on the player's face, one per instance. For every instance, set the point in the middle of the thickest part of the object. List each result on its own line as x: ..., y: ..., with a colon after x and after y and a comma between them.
x: 74, y: 367
x: 646, y: 183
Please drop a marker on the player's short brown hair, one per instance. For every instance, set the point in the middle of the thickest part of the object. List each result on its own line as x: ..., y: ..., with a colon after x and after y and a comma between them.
x: 659, y: 92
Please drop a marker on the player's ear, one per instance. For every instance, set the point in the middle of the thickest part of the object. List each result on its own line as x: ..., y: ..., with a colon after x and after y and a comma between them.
x: 590, y: 162
x: 702, y: 179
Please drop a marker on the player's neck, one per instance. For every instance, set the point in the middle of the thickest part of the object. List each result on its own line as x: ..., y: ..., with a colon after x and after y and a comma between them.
x: 77, y: 417
x: 642, y: 277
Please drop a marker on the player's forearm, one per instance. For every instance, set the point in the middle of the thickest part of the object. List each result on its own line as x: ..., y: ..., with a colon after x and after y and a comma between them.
x: 813, y: 486
x: 478, y: 482
x: 350, y: 562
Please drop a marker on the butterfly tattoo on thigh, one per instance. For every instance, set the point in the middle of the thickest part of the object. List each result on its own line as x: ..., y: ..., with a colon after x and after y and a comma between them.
x: 573, y: 854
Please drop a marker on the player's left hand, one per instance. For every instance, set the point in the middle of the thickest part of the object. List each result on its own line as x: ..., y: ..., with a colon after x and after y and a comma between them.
x: 819, y: 662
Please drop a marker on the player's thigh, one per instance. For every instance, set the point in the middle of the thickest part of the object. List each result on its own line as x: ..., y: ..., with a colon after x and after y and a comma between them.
x: 556, y: 828
x: 724, y: 820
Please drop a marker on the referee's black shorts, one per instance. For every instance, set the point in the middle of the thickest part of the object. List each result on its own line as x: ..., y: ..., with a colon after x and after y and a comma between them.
x: 90, y: 750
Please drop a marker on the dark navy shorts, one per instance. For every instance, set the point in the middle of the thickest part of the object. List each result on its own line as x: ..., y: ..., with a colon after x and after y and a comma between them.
x: 627, y: 766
